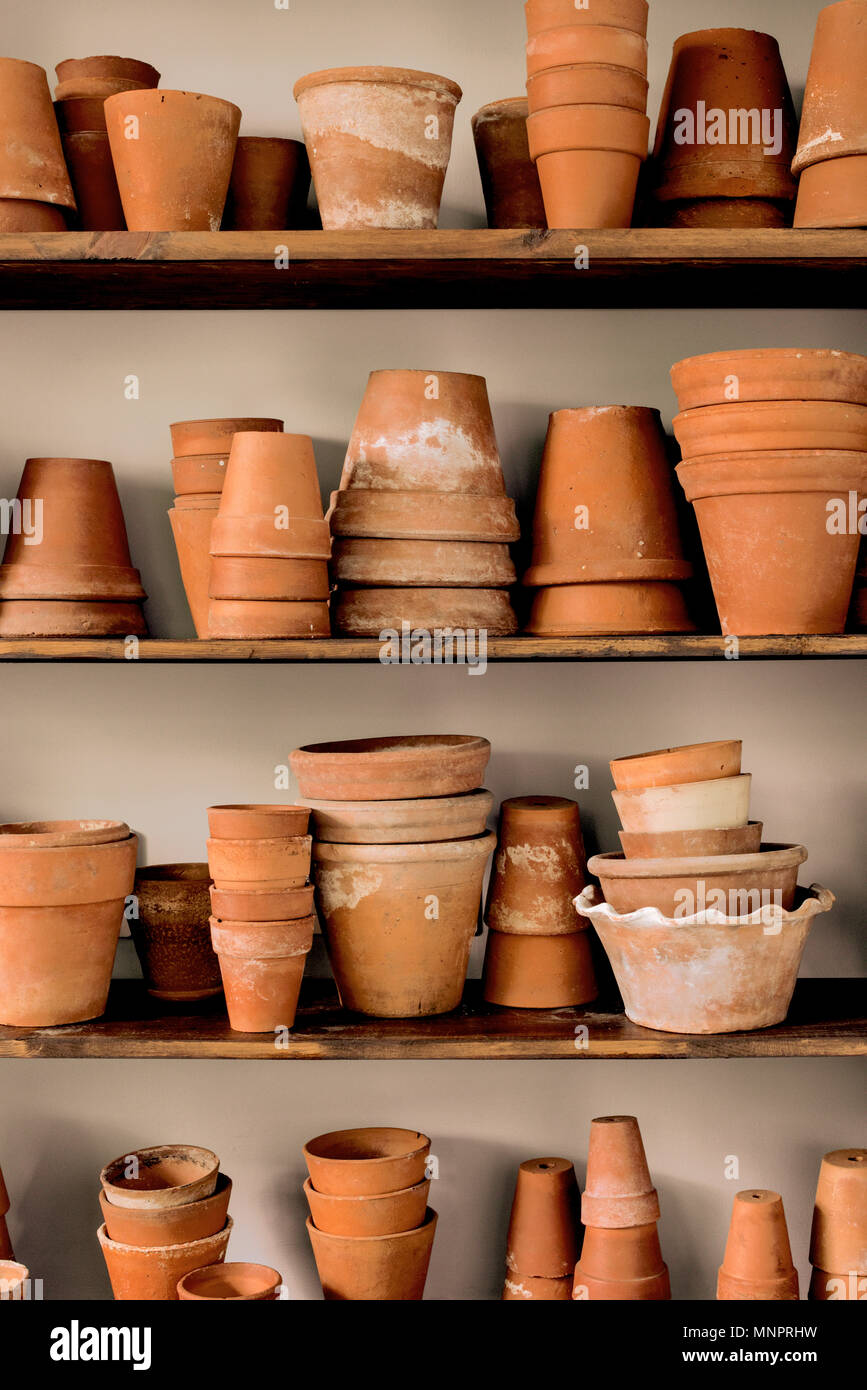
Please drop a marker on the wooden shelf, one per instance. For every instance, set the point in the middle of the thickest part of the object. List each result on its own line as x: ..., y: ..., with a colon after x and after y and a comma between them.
x: 825, y: 1021
x: 472, y: 269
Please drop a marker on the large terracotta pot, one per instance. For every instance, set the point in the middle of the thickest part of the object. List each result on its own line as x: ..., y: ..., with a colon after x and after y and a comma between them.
x: 32, y: 167
x: 833, y: 193
x: 401, y: 822
x: 587, y: 84
x: 161, y: 1176
x: 383, y: 1214
x: 834, y: 114
x: 618, y: 1192
x: 391, y: 769
x: 379, y: 141
x: 366, y: 1162
x: 262, y: 964
x: 752, y: 426
x: 690, y: 762
x: 215, y: 436
x: 421, y: 564
x: 374, y: 1268
x: 554, y: 14
x: 275, y: 862
x: 542, y: 1239
x: 151, y: 1273
x: 586, y: 43
x: 172, y: 933
x: 510, y: 183
x: 238, y: 1283
x: 539, y: 869
x: 622, y: 1265
x: 734, y: 884
x: 538, y: 972
x: 838, y: 1239
x: 432, y: 516
x: 628, y: 606
x: 770, y: 374
x: 720, y: 802
x: 373, y: 612
x: 588, y: 159
x: 191, y: 529
x: 168, y: 1225
x: 269, y: 185
x: 758, y: 1259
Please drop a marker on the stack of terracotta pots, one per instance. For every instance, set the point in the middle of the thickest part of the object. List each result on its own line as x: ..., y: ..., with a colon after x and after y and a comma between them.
x: 171, y: 931
x: 726, y: 133
x: 422, y: 523
x: 838, y: 1241
x: 587, y: 95
x: 620, y: 1257
x: 6, y: 1251
x: 371, y: 1229
x: 607, y: 553
x: 510, y: 184
x: 774, y: 445
x: 379, y: 141
x: 269, y: 542
x: 200, y: 457
x: 542, y: 1242
x: 262, y: 923
x: 269, y: 185
x: 35, y: 191
x: 63, y: 889
x: 398, y: 861
x: 538, y: 952
x: 165, y: 1213
x: 757, y: 1266
x: 832, y: 143
x: 66, y: 569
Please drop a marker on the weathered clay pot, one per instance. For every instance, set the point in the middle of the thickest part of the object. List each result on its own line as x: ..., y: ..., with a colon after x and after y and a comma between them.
x: 248, y: 822
x: 274, y: 862
x: 510, y: 183
x: 422, y: 564
x: 399, y: 922
x: 539, y: 869
x: 734, y: 884
x: 13, y: 1281
x: 255, y: 578
x: 588, y: 159
x: 168, y: 1225
x: 751, y: 426
x: 171, y: 933
x: 542, y: 1239
x: 690, y: 762
x: 758, y: 1259
x: 834, y: 115
x: 554, y: 14
x: 262, y: 964
x: 685, y: 844
x: 573, y: 610
x: 173, y: 174
x: 384, y: 1214
x: 52, y: 834
x: 832, y: 194
x: 420, y: 516
x: 164, y: 1175
x: 265, y: 618
x: 32, y: 166
x: 270, y: 471
x: 538, y: 972
x: 587, y: 84
x: 523, y: 1288
x: 605, y: 500
x: 240, y: 1283
x: 23, y: 215
x: 110, y: 73
x: 215, y: 436
x: 770, y: 374
x: 91, y: 170
x: 586, y: 43
x: 374, y: 1268
x: 372, y: 612
x: 198, y: 474
x: 838, y: 1239
x: 622, y: 1264
x: 262, y: 904
x: 724, y: 212
x: 59, y: 618
x: 618, y: 1191
x: 191, y: 529
x: 398, y: 768
x: 379, y: 141
x: 269, y: 185
x: 366, y: 1162
x: 139, y: 1272
x: 401, y: 822
x: 718, y: 803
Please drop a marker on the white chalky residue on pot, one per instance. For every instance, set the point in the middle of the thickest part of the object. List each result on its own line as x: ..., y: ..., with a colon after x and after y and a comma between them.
x: 383, y: 114
x: 520, y: 1290
x: 344, y: 889
x: 544, y: 860
x: 432, y: 443
x: 828, y: 136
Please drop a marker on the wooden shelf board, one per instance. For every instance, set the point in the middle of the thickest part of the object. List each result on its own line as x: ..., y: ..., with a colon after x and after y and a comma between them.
x: 824, y: 1021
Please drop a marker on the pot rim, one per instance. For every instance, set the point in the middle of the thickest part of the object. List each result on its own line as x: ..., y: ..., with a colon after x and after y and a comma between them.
x: 473, y: 847
x: 177, y: 873
x: 421, y: 1147
x: 161, y: 1216
x: 675, y: 748
x: 503, y: 108
x: 147, y: 95
x: 116, y: 1165
x: 400, y: 77
x: 472, y: 799
x: 809, y: 902
x: 728, y: 409
x: 271, y: 1279
x: 614, y: 864
x: 217, y: 1238
x: 629, y: 131
x: 390, y: 747
x: 430, y: 1220
x: 36, y: 834
x: 358, y: 1197
x: 264, y: 843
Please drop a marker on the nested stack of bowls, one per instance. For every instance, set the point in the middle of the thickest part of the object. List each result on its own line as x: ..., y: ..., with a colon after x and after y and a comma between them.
x: 774, y: 445
x: 421, y: 522
x: 200, y: 451
x: 831, y: 158
x: 398, y: 862
x: 587, y: 95
x: 371, y: 1229
x: 262, y: 904
x: 165, y: 1213
x: 838, y: 1239
x: 35, y: 191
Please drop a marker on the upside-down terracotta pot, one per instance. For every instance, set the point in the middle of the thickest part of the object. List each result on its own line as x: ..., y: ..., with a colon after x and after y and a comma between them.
x: 834, y: 115
x: 724, y: 212
x: 366, y: 1162
x: 198, y: 474
x: 106, y: 72
x: 538, y: 871
x: 262, y: 964
x: 371, y: 612
x: 572, y: 610
x: 394, y: 768
x: 14, y: 1279
x: 191, y: 529
x: 266, y: 618
x: 605, y: 500
x: 262, y: 904
x: 587, y: 84
x: 586, y: 43
x: 171, y: 932
x: 270, y: 536
x: 838, y: 1239
x: 752, y: 426
x: 379, y: 141
x: 381, y: 1214
x: 275, y: 862
x: 161, y: 1176
x: 554, y: 14
x: 776, y: 564
x: 399, y: 921
x: 240, y: 1283
x: 833, y: 193
x: 719, y: 802
x: 684, y: 844
x: 689, y: 762
x: 423, y: 516
x: 160, y: 1226
x: 247, y: 822
x: 758, y: 1259
x: 770, y: 374
x: 256, y: 577
x: 734, y: 884
x: 269, y: 471
x: 623, y: 1264
x: 140, y: 1272
x: 538, y: 972
x: 510, y: 183
x: 402, y: 822
x: 374, y: 1268
x: 421, y: 564
x: 523, y: 1288
x: 269, y: 185
x: 32, y: 167
x: 618, y: 1191
x: 215, y: 436
x: 542, y: 1239
x: 173, y: 171
x: 23, y: 215
x: 588, y: 159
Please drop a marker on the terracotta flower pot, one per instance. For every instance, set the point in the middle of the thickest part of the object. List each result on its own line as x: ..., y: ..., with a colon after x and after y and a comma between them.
x: 391, y: 769
x: 374, y: 1268
x: 173, y: 172
x: 32, y: 166
x: 685, y: 844
x: 624, y: 1264
x: 248, y: 822
x: 399, y: 921
x: 164, y: 1175
x: 13, y: 1281
x: 834, y: 115
x: 386, y: 1214
x: 734, y: 884
x: 542, y: 1239
x: 538, y: 870
x: 160, y: 1226
x: 266, y: 618
x: 770, y: 374
x: 618, y: 1191
x: 758, y: 1260
x: 838, y: 1239
x: 587, y: 84
x: 215, y: 436
x: 191, y: 529
x: 379, y: 141
x: 401, y: 822
x: 23, y: 215
x: 523, y: 1288
x: 52, y: 834
x: 372, y: 612
x: 588, y: 160
x: 172, y: 932
x: 139, y: 1272
x: 832, y: 194
x: 240, y: 1283
x: 262, y: 964
x: 586, y: 43
x: 423, y: 516
x: 198, y: 474
x: 111, y: 73
x: 510, y: 183
x: 724, y: 212
x: 270, y: 471
x: 366, y: 1162
x: 255, y: 578
x: 691, y: 762
x: 605, y: 500
x: 554, y: 14
x: 574, y: 610
x: 262, y: 904
x: 269, y: 185
x: 422, y: 564
x: 751, y: 426
x: 714, y: 979
x: 538, y: 972
x: 774, y: 564
x: 274, y: 862
x: 719, y: 803
x: 58, y: 618
x: 91, y: 170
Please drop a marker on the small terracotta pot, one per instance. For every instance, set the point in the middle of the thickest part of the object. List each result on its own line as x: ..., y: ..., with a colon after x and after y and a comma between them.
x: 542, y: 1239
x: 758, y: 1260
x: 618, y: 1191
x: 387, y: 1214
x: 139, y: 1272
x: 586, y: 43
x: 379, y: 141
x: 24, y: 215
x: 685, y: 844
x: 724, y: 212
x: 539, y: 868
x: 834, y: 115
x: 523, y: 1288
x: 574, y: 610
x: 838, y: 1239
x: 54, y: 834
x: 191, y: 529
x: 554, y: 14
x: 587, y: 84
x: 165, y: 1175
x: 272, y: 535
x: 538, y: 972
x: 197, y: 474
x: 366, y: 1162
x: 262, y: 904
x: 588, y: 159
x: 401, y: 822
x: 423, y: 516
x: 621, y: 1264
x: 276, y: 580
x: 161, y: 1226
x: 13, y: 1281
x: 275, y: 862
x: 734, y: 884
x: 32, y: 167
x: 374, y: 1268
x: 173, y: 174
x: 719, y: 803
x: 264, y: 618
x: 510, y: 183
x: 215, y: 436
x: 262, y: 964
x: 112, y: 73
x: 391, y: 769
x: 691, y: 762
x: 422, y: 564
x: 91, y: 170
x: 172, y: 934
x: 373, y: 612
x: 269, y: 471
x: 770, y: 374
x: 240, y: 1283
x: 269, y: 185
x: 751, y: 426
x: 250, y: 822
x: 832, y: 194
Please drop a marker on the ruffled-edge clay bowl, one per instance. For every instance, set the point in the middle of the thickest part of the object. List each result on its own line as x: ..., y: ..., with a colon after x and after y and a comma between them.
x: 391, y: 769
x: 422, y: 819
x: 166, y: 1175
x: 366, y: 1162
x: 238, y: 1281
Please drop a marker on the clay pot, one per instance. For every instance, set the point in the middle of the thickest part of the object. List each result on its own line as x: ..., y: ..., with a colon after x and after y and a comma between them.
x: 88, y: 159
x: 586, y: 43
x: 774, y: 565
x: 719, y: 803
x: 770, y: 374
x: 538, y: 972
x: 576, y: 610
x: 718, y: 71
x: 250, y: 822
x: 274, y: 862
x: 379, y: 141
x: 174, y: 174
x: 269, y: 185
x: 510, y: 183
x: 391, y: 769
x: 422, y: 564
x: 690, y: 976
x: 14, y: 1279
x: 554, y: 14
x: 52, y: 834
x: 32, y: 167
x: 165, y: 1175
x: 691, y: 762
x: 23, y: 215
x: 198, y: 474
x: 241, y: 1283
x: 262, y: 964
x: 139, y: 1272
x: 588, y: 160
x: 270, y: 471
x: 109, y: 73
x: 399, y: 921
x: 611, y: 461
x: 834, y: 115
x: 378, y: 1215
x: 172, y: 932
x: 679, y: 887
x: 262, y: 904
x: 366, y: 1162
x: 587, y: 84
x: 538, y: 870
x: 372, y: 612
x: 838, y: 1239
x: 161, y: 1226
x: 191, y: 529
x: 215, y: 436
x: 686, y: 844
x: 832, y: 194
x: 265, y: 618
x: 56, y: 618
x: 623, y: 1264
x: 724, y: 212
x: 374, y: 1268
x: 618, y: 1191
x: 401, y: 822
x: 752, y: 426
x: 523, y: 1288
x: 420, y: 516
x: 277, y: 580
x: 542, y: 1239
x: 758, y: 1259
